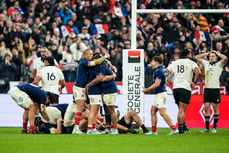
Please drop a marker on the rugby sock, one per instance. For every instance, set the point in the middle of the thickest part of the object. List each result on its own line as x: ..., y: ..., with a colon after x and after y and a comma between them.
x: 78, y: 118
x: 216, y: 118
x: 115, y: 127
x: 24, y: 126
x: 173, y: 127
x: 185, y: 127
x: 180, y: 128
x: 32, y: 128
x: 108, y: 127
x: 100, y: 119
x: 144, y: 128
x: 154, y: 128
x: 89, y: 127
x: 207, y: 118
x: 93, y: 126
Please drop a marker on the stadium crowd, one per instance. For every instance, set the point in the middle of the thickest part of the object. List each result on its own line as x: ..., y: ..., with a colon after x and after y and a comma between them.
x: 26, y: 26
x: 38, y: 37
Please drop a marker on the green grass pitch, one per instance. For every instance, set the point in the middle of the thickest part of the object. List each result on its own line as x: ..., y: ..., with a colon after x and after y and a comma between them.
x: 11, y: 141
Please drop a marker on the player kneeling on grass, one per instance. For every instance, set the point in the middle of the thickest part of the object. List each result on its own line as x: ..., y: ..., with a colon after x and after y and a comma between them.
x: 124, y: 125
x: 31, y: 98
x: 159, y: 78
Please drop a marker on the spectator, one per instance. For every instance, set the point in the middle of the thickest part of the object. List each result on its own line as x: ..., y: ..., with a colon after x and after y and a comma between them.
x: 117, y: 62
x: 77, y: 49
x: 18, y: 60
x: 9, y: 67
x: 224, y: 78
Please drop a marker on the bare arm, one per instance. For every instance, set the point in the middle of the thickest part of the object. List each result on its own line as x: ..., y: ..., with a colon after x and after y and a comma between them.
x: 33, y: 74
x: 37, y: 80
x: 152, y: 87
x: 200, y: 57
x: 168, y: 77
x: 109, y: 77
x: 97, y: 80
x: 98, y: 61
x: 223, y: 58
x: 197, y: 76
x: 62, y: 84
x: 44, y: 113
x: 59, y: 127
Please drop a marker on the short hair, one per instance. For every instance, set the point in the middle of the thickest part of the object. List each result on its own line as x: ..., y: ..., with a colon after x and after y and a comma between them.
x: 184, y: 53
x: 97, y: 56
x: 50, y: 61
x: 86, y: 51
x: 157, y: 59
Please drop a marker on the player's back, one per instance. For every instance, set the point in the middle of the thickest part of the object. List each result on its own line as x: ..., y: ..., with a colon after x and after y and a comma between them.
x: 34, y: 92
x: 108, y: 87
x: 95, y: 89
x: 51, y: 75
x: 183, y: 73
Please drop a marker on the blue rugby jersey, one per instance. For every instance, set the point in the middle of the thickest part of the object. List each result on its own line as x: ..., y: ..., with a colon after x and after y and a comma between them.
x: 160, y: 73
x: 108, y: 87
x: 35, y: 93
x: 82, y: 73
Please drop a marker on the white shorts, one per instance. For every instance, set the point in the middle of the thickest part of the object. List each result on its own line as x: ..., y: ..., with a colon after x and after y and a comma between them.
x: 53, y: 113
x: 95, y: 99
x: 109, y: 99
x: 160, y: 100
x: 79, y: 93
x: 20, y: 97
x: 69, y: 116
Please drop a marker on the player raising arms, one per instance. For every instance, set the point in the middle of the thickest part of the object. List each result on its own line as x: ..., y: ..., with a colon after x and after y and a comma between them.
x: 81, y: 81
x: 213, y: 70
x: 183, y: 69
x: 30, y: 97
x: 50, y: 76
x: 159, y: 77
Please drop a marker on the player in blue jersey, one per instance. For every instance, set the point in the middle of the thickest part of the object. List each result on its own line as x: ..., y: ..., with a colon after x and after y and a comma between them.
x: 159, y: 103
x: 110, y: 91
x: 81, y: 81
x: 31, y: 98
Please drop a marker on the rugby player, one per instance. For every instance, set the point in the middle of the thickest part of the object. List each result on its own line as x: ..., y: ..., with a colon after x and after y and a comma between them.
x: 94, y: 94
x: 213, y: 70
x: 81, y: 81
x: 39, y: 64
x: 30, y: 97
x: 50, y: 76
x: 110, y: 91
x: 159, y: 102
x: 124, y: 124
x: 183, y: 69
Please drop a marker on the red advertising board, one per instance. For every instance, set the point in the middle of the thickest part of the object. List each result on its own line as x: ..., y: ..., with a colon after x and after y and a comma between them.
x: 195, y: 113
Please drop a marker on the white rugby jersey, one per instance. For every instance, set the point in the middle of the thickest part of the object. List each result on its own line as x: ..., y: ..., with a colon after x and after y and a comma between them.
x: 38, y: 64
x: 51, y: 75
x: 183, y: 72
x: 212, y: 74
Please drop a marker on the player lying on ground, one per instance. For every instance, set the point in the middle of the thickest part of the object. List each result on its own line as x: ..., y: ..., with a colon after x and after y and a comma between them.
x: 124, y: 124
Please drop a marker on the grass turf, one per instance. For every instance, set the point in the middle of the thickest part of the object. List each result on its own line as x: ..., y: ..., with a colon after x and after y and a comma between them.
x: 12, y: 141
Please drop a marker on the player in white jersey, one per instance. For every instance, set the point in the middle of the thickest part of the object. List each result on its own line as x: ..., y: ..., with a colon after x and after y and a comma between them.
x: 39, y: 64
x: 50, y: 76
x: 213, y: 70
x: 183, y: 69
